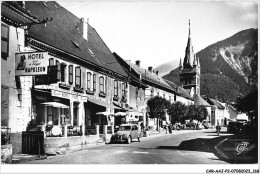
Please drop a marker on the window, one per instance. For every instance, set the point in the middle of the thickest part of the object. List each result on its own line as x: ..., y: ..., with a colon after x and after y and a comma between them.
x: 63, y: 72
x: 51, y: 62
x: 163, y: 95
x: 158, y: 94
x: 58, y: 70
x: 94, y: 82
x: 71, y: 74
x: 116, y: 88
x: 89, y: 80
x: 4, y: 41
x: 123, y: 88
x: 170, y: 98
x: 49, y: 115
x: 78, y: 77
x: 101, y: 84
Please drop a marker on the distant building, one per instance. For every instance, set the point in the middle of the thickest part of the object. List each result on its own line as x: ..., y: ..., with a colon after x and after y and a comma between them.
x: 158, y: 86
x: 217, y: 112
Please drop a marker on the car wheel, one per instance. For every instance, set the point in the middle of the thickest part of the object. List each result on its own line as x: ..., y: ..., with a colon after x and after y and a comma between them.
x: 128, y: 140
x: 139, y: 139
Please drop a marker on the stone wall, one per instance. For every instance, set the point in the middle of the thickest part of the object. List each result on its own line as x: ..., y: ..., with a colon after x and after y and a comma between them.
x: 54, y: 145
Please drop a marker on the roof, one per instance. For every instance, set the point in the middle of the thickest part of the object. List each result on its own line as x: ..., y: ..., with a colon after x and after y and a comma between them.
x: 199, y: 101
x: 179, y: 90
x: 15, y: 12
x: 231, y: 107
x: 151, y: 77
x: 63, y: 33
x: 134, y: 76
x: 215, y: 102
x: 189, y: 54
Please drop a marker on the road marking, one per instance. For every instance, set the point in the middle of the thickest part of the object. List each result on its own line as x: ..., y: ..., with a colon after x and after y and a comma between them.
x: 139, y: 152
x: 120, y: 151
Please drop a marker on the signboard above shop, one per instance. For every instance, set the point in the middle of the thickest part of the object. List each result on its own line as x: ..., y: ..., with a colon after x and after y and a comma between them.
x: 31, y: 63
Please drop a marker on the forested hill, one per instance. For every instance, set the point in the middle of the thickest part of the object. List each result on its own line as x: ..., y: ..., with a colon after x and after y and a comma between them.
x: 227, y: 66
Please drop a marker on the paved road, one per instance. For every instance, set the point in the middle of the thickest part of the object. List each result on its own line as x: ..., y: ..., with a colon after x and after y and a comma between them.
x: 181, y: 147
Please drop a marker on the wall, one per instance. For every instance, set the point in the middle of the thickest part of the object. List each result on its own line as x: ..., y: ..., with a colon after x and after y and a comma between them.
x: 132, y: 96
x: 53, y: 145
x: 232, y: 114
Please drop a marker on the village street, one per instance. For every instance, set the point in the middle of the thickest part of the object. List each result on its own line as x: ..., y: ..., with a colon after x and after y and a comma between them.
x: 180, y: 147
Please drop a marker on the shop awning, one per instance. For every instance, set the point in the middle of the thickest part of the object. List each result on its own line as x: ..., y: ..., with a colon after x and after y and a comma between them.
x: 102, y: 103
x: 55, y: 104
x: 120, y: 114
x: 104, y: 113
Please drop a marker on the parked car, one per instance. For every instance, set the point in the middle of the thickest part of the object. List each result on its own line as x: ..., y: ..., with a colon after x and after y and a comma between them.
x: 205, y: 124
x: 126, y: 133
x: 236, y: 127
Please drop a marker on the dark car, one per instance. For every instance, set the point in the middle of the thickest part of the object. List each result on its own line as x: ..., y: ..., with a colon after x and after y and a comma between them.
x: 236, y: 127
x: 126, y: 133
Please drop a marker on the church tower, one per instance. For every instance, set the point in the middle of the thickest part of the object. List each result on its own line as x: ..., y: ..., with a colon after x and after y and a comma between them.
x: 190, y: 69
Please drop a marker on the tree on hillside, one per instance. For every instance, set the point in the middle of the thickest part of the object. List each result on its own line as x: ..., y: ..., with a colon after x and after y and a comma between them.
x: 158, y: 107
x: 249, y: 104
x: 196, y: 113
x: 177, y: 112
x: 202, y: 113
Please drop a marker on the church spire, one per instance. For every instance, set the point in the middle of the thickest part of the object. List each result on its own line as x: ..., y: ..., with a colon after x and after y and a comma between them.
x: 189, y: 28
x: 189, y: 55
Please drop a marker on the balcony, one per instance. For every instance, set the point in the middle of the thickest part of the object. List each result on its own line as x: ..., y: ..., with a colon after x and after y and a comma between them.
x: 115, y: 98
x: 64, y: 85
x: 78, y: 89
x: 88, y: 91
x: 124, y: 99
x: 102, y: 94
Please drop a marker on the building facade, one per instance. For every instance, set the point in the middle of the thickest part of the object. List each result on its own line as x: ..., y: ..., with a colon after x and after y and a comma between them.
x: 76, y: 96
x: 15, y: 114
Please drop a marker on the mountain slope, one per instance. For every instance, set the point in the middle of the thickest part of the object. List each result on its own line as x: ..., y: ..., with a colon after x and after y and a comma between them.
x: 226, y: 66
x: 167, y: 67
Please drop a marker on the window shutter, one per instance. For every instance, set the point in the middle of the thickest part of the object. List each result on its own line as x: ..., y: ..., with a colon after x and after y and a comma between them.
x: 58, y: 70
x: 4, y: 41
x: 4, y: 105
x: 83, y: 79
x: 71, y: 74
x: 94, y: 82
x: 97, y: 83
x: 119, y: 89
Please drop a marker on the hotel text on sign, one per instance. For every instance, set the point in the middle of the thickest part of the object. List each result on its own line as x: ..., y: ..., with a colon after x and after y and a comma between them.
x: 28, y: 64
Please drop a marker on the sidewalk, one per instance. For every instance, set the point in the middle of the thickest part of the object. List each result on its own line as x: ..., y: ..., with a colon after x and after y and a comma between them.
x: 239, y: 149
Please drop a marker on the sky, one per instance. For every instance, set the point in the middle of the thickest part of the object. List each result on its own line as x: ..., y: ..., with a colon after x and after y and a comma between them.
x: 156, y: 32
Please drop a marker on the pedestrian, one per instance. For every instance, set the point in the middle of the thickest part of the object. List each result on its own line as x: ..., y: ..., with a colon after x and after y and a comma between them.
x: 166, y: 127
x: 170, y: 128
x: 142, y: 126
x: 218, y: 127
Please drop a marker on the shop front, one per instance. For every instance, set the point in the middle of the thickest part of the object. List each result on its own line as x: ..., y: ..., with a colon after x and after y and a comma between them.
x: 101, y: 113
x: 61, y: 116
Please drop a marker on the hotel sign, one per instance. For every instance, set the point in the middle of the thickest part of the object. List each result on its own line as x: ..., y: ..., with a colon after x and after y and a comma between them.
x: 67, y: 95
x: 32, y: 63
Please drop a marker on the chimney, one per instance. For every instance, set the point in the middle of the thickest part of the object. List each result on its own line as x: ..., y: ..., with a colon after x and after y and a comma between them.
x: 137, y: 63
x: 157, y: 73
x: 83, y: 28
x: 150, y: 68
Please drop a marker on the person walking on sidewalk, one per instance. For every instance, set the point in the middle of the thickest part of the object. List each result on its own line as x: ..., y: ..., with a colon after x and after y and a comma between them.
x: 218, y: 127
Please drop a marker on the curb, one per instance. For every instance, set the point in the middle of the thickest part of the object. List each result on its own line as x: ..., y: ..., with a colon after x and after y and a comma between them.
x: 219, y: 151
